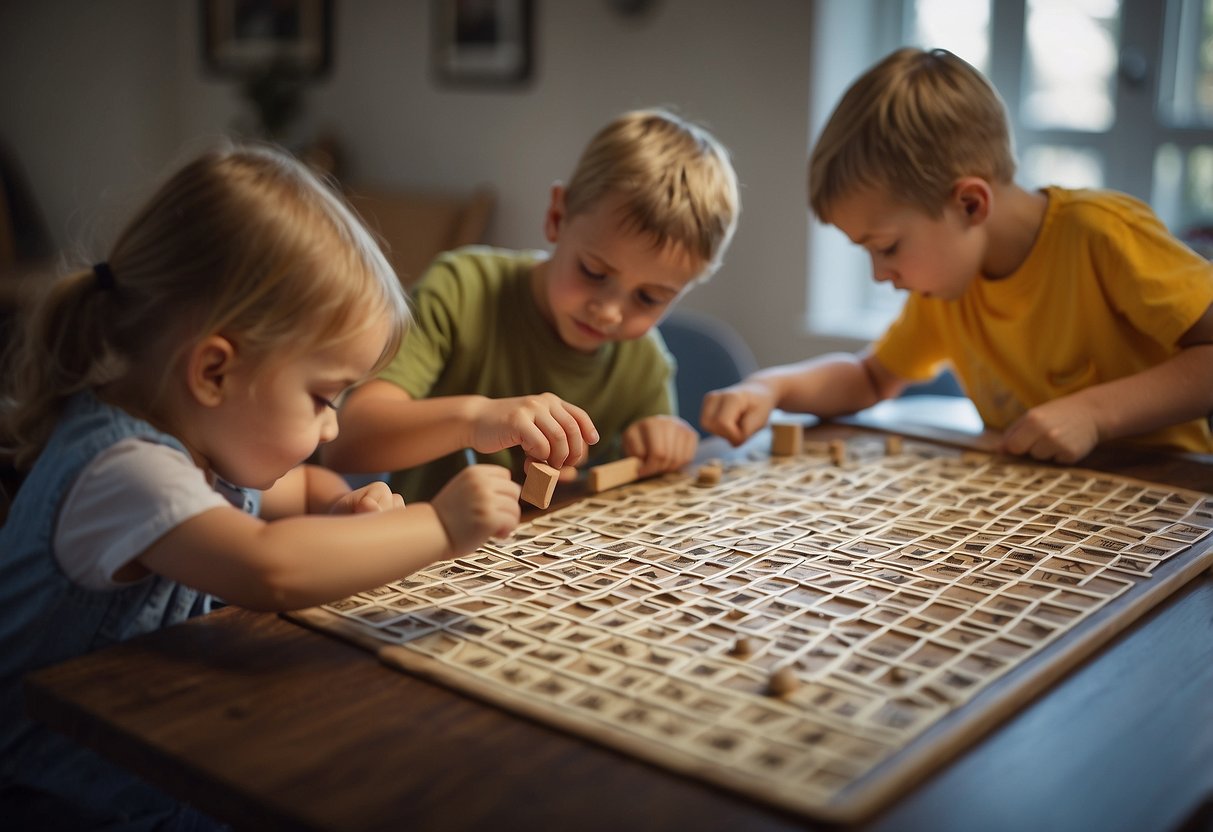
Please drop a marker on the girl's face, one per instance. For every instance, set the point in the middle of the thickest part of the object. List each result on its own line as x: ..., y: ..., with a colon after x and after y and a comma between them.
x: 275, y: 412
x: 605, y: 282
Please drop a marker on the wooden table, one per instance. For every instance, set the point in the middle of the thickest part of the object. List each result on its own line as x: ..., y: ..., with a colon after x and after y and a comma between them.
x: 272, y: 726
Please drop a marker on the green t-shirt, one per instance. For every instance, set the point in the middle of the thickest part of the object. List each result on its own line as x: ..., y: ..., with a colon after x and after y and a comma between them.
x: 478, y: 330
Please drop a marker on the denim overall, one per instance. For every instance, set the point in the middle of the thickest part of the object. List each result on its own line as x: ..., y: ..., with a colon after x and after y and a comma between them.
x: 46, y: 780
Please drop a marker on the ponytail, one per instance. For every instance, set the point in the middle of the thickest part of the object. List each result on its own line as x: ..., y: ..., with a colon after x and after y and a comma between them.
x: 61, y: 347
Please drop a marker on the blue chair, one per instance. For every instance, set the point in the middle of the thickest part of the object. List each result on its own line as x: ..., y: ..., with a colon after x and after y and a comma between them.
x: 944, y: 384
x: 710, y: 355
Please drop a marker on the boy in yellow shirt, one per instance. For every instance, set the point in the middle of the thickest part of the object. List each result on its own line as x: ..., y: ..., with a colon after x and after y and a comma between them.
x: 520, y: 354
x: 1070, y: 317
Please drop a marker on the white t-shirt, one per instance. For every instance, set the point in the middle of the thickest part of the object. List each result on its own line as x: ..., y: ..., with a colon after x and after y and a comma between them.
x: 125, y: 500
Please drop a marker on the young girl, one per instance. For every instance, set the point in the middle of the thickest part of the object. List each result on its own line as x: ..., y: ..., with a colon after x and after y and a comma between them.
x: 151, y: 399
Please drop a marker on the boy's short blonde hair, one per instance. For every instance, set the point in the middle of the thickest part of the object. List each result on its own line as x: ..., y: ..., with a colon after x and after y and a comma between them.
x: 675, y: 178
x: 912, y: 125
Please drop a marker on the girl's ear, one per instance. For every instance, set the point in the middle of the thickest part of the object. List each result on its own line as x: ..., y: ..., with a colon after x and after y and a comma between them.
x: 207, y: 366
x: 973, y: 195
x: 553, y: 219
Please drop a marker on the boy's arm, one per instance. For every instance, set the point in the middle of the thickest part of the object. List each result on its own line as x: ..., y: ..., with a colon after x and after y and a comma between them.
x: 383, y: 428
x: 826, y: 386
x: 1177, y: 390
x: 305, y: 489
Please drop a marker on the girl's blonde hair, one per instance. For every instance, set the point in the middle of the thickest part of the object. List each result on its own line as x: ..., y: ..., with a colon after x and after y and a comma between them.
x: 675, y: 178
x: 243, y: 241
x: 912, y: 125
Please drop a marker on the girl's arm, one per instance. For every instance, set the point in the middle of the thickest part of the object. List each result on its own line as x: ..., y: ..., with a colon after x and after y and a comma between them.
x: 311, y: 559
x: 384, y: 428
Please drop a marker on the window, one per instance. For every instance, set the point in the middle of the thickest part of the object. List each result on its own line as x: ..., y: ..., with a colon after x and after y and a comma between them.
x: 1100, y: 93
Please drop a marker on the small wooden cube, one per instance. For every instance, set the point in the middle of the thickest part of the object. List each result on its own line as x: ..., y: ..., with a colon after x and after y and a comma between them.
x: 783, y: 681
x: 709, y: 473
x: 742, y: 647
x: 787, y: 438
x: 892, y: 445
x: 540, y: 483
x: 838, y: 451
x: 615, y: 473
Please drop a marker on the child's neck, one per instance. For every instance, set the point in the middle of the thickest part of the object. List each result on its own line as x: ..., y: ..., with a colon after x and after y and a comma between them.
x: 1014, y: 224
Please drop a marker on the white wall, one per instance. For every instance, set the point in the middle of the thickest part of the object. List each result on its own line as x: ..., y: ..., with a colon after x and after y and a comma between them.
x: 99, y: 97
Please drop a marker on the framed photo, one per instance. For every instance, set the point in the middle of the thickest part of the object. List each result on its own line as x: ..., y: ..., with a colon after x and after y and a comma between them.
x: 482, y: 41
x: 248, y: 37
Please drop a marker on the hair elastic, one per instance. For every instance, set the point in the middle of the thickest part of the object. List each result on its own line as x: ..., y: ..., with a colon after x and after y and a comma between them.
x: 104, y: 275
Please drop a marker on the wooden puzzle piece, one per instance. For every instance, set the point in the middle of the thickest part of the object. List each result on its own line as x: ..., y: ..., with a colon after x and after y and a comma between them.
x: 540, y: 483
x: 613, y: 474
x: 787, y: 438
x: 709, y: 473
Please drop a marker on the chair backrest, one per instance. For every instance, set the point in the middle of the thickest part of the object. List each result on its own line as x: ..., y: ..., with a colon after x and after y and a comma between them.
x: 710, y: 355
x: 416, y: 226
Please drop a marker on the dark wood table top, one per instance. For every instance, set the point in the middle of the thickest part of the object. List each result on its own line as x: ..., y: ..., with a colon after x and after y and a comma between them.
x: 270, y: 725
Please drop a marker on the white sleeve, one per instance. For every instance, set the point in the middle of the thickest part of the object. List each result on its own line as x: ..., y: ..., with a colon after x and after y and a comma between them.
x: 125, y: 500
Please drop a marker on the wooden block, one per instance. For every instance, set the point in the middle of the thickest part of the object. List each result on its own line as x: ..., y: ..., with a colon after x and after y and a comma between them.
x: 838, y: 451
x: 742, y: 647
x: 783, y: 681
x: 892, y: 444
x: 787, y: 438
x: 709, y: 473
x: 612, y: 474
x: 540, y: 483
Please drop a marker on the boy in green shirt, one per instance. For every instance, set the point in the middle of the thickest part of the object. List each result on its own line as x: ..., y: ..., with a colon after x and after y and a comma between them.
x: 519, y: 354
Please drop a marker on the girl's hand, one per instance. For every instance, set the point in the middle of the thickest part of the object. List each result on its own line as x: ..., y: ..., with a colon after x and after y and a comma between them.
x: 479, y: 502
x: 1063, y: 430
x: 737, y: 412
x: 663, y: 443
x: 547, y: 428
x: 377, y: 496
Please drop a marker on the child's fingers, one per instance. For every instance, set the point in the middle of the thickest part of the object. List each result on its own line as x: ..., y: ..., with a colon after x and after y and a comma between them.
x: 584, y: 423
x: 721, y: 415
x: 635, y: 443
x: 534, y: 441
x: 574, y: 437
x: 751, y: 422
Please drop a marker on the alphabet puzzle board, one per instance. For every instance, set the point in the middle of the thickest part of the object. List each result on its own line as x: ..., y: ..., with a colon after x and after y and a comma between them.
x: 815, y: 635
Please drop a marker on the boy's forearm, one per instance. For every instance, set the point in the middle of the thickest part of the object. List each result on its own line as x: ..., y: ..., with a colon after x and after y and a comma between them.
x: 391, y: 435
x: 827, y: 386
x: 1175, y: 391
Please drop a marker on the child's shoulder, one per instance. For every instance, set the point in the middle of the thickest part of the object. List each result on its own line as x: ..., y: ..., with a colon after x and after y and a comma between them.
x: 1095, y: 208
x: 488, y: 266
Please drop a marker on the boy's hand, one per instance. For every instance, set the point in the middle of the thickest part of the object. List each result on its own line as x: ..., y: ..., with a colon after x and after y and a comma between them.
x: 663, y: 443
x: 1062, y: 430
x: 738, y: 412
x: 377, y: 496
x: 547, y: 428
x: 479, y: 502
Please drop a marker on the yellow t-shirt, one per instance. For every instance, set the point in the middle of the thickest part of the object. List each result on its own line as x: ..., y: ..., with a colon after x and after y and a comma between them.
x: 478, y: 330
x: 1105, y: 292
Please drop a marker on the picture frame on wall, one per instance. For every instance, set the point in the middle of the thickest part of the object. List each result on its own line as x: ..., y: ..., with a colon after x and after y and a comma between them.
x: 483, y: 42
x: 242, y: 38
